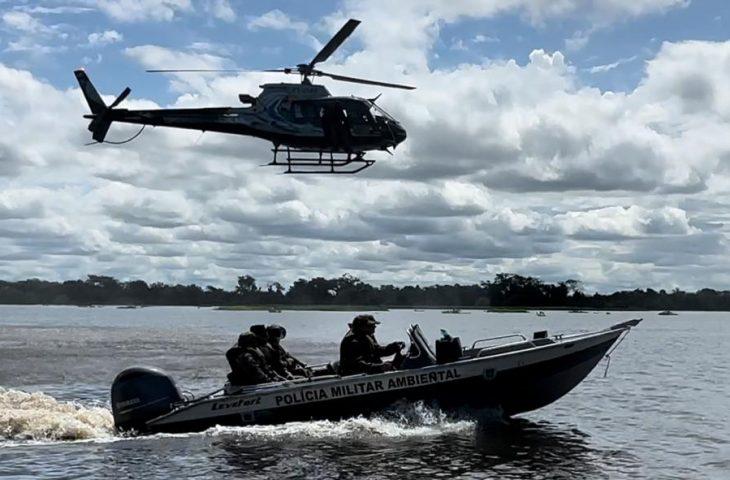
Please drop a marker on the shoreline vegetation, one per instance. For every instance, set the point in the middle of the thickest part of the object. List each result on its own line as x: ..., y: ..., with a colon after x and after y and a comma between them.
x: 504, y: 294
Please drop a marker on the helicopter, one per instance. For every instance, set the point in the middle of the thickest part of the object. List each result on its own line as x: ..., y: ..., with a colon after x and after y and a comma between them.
x: 312, y: 130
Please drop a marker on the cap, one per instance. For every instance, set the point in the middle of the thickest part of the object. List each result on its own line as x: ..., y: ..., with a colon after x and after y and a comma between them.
x: 364, y: 320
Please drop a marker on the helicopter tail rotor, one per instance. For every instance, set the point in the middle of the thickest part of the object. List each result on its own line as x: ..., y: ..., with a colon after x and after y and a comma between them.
x: 101, y: 113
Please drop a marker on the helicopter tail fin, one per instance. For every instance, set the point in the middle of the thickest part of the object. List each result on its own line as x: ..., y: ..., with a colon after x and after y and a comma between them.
x: 101, y: 119
x: 96, y: 104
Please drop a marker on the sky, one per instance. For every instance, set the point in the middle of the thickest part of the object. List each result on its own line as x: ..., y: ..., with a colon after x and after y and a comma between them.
x: 563, y: 139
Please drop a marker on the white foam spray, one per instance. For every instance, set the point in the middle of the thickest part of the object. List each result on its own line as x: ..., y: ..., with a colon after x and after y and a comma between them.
x: 40, y: 417
x: 402, y: 421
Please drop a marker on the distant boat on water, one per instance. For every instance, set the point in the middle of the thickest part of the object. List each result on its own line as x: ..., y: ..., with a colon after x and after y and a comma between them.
x: 274, y: 310
x: 666, y: 312
x: 540, y: 313
x: 453, y: 310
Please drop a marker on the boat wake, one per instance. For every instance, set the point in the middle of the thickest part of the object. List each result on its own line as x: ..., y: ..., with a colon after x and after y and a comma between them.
x: 40, y: 417
x: 401, y: 421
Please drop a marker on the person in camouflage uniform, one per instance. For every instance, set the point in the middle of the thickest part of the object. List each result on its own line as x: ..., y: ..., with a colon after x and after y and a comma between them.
x: 360, y: 352
x: 248, y: 363
x: 283, y: 360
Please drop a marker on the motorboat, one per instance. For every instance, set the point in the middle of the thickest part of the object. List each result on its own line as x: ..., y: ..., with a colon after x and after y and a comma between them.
x: 509, y: 374
x: 453, y: 310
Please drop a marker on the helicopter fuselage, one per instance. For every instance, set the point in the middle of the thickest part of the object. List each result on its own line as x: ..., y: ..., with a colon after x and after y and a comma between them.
x: 290, y: 115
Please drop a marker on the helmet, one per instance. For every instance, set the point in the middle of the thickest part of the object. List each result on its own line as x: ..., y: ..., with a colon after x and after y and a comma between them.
x: 362, y: 321
x: 275, y: 330
x: 246, y: 339
x: 258, y: 330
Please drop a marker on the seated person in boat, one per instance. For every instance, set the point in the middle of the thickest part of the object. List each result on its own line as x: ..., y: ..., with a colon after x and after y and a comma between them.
x: 271, y: 353
x: 248, y: 364
x: 283, y: 362
x: 361, y: 353
x: 262, y: 340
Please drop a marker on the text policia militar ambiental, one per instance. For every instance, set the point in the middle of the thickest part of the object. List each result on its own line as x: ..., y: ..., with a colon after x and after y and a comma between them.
x: 369, y: 386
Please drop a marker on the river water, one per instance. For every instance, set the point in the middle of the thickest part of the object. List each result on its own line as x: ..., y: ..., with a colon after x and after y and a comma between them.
x: 662, y: 412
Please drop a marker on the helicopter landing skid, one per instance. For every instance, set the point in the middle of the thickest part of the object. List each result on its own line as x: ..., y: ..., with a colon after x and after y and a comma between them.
x: 328, y: 162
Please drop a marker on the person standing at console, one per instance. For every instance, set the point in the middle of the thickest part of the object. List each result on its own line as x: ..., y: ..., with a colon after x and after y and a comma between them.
x: 361, y: 353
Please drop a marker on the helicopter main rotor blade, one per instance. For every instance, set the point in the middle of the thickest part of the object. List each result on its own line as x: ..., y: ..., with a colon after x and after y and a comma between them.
x: 335, y: 41
x: 202, y: 70
x: 343, y: 78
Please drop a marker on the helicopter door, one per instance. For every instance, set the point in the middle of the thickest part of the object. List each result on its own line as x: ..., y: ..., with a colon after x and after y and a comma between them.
x: 306, y: 113
x: 335, y: 125
x: 360, y: 120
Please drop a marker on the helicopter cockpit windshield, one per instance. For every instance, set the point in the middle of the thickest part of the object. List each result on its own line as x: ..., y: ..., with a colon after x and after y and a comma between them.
x: 380, y: 112
x: 358, y: 111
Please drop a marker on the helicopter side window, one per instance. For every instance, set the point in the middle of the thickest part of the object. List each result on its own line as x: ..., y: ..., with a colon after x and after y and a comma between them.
x: 358, y: 113
x: 305, y: 112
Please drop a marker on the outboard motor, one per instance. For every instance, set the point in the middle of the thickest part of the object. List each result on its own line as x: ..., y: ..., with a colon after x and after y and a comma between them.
x: 140, y: 394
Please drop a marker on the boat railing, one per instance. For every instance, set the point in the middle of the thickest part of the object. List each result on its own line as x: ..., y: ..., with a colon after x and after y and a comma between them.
x: 500, y: 337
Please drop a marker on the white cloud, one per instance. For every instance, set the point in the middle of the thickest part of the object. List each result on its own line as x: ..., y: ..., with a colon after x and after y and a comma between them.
x: 144, y: 10
x: 459, y: 45
x: 509, y: 166
x: 383, y: 29
x: 578, y: 41
x: 31, y: 35
x: 24, y: 22
x: 22, y: 204
x: 104, y: 38
x: 66, y: 9
x: 277, y: 20
x: 153, y: 56
x: 156, y: 57
x: 610, y: 223
x: 86, y: 60
x: 221, y: 9
x: 610, y: 66
x: 479, y: 38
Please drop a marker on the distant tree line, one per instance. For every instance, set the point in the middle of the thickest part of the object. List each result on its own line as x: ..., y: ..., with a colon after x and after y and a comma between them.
x: 505, y: 290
